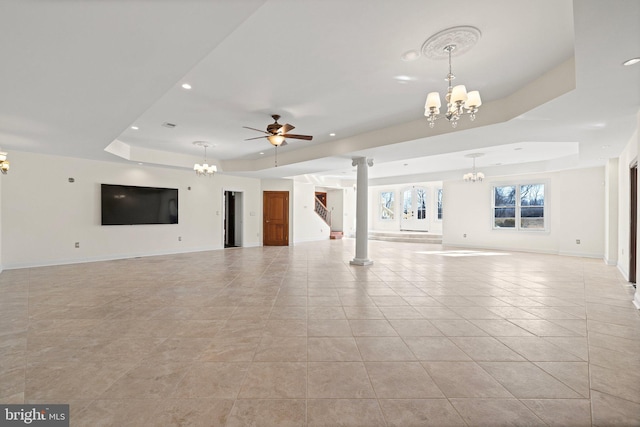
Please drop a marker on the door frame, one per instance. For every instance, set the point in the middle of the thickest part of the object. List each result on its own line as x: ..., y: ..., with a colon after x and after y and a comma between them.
x: 633, y: 220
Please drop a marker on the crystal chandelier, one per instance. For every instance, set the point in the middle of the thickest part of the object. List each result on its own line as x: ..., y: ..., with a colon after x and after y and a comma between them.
x: 204, y: 169
x: 458, y: 100
x: 473, y: 176
x: 4, y: 163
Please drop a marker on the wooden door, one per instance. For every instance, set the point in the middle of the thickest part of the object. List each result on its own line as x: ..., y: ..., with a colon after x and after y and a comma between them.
x: 275, y: 218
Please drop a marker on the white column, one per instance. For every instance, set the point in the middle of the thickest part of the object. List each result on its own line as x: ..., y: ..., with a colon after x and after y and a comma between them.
x: 362, y: 215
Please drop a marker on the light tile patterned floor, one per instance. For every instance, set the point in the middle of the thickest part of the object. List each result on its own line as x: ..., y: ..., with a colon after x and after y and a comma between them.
x: 292, y: 336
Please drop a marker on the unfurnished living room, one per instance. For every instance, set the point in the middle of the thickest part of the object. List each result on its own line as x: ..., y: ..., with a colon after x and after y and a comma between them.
x: 306, y: 213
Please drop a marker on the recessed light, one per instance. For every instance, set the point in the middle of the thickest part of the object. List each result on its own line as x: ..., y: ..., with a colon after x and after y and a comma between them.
x: 262, y: 153
x: 517, y: 149
x: 631, y: 61
x: 606, y: 146
x: 498, y: 164
x: 332, y: 134
x: 140, y: 163
x: 186, y: 86
x: 135, y: 127
x: 406, y: 164
x: 404, y: 79
x: 410, y: 55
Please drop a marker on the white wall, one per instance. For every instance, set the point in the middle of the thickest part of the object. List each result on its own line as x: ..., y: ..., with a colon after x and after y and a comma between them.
x: 377, y: 224
x: 349, y: 212
x: 574, y: 207
x: 307, y: 224
x: 335, y: 204
x: 1, y: 260
x: 43, y: 214
x: 628, y: 156
x: 611, y: 212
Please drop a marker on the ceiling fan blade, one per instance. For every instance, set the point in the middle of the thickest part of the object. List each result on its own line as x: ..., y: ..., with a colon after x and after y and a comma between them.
x: 305, y: 137
x: 284, y: 143
x: 257, y: 137
x: 285, y: 128
x: 259, y: 130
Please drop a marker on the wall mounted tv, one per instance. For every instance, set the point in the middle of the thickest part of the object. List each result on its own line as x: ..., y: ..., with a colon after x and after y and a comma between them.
x: 130, y: 205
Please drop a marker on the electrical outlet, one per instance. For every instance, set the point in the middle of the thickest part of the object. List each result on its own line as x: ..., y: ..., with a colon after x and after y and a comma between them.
x: 77, y: 245
x: 179, y: 238
x: 577, y: 241
x: 464, y: 235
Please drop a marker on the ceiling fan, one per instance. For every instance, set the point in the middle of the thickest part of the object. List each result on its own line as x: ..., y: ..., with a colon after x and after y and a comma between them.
x: 276, y: 133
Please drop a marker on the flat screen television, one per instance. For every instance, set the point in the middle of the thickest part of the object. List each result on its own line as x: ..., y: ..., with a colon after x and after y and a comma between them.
x: 130, y: 205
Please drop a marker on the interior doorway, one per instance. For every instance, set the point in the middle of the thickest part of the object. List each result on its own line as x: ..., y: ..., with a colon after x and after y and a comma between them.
x: 633, y: 225
x: 232, y: 220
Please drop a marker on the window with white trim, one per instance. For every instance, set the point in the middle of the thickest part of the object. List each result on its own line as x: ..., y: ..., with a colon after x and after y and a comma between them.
x: 439, y: 204
x: 386, y: 205
x: 519, y: 207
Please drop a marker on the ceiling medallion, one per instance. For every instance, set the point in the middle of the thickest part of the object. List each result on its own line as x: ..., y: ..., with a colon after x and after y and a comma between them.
x: 462, y: 37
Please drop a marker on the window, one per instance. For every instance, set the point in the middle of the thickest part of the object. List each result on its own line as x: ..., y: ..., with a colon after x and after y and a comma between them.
x: 439, y: 203
x: 519, y: 207
x: 407, y: 204
x: 386, y: 205
x: 504, y: 207
x: 421, y: 209
x: 532, y: 206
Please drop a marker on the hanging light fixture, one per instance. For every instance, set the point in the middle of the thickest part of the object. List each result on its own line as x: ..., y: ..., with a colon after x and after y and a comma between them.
x: 4, y: 163
x: 276, y: 140
x: 205, y: 168
x: 474, y: 176
x: 459, y: 101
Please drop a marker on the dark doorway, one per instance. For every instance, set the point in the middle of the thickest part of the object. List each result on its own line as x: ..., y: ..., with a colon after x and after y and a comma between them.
x: 232, y: 219
x: 633, y: 226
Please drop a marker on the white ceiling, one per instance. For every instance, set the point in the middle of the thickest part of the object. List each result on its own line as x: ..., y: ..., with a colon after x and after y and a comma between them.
x: 77, y: 75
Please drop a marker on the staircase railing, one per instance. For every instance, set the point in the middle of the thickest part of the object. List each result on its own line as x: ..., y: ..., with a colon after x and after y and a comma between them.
x: 323, y: 212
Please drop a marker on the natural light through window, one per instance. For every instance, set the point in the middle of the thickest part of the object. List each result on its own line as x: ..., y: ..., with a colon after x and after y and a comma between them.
x: 519, y: 207
x: 463, y: 253
x: 386, y: 205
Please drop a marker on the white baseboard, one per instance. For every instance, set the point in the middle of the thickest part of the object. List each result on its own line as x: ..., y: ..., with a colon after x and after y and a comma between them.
x: 624, y: 272
x: 109, y: 258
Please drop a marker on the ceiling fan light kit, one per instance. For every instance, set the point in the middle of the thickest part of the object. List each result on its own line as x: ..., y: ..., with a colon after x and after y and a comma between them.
x: 276, y: 140
x: 277, y: 134
x: 459, y: 101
